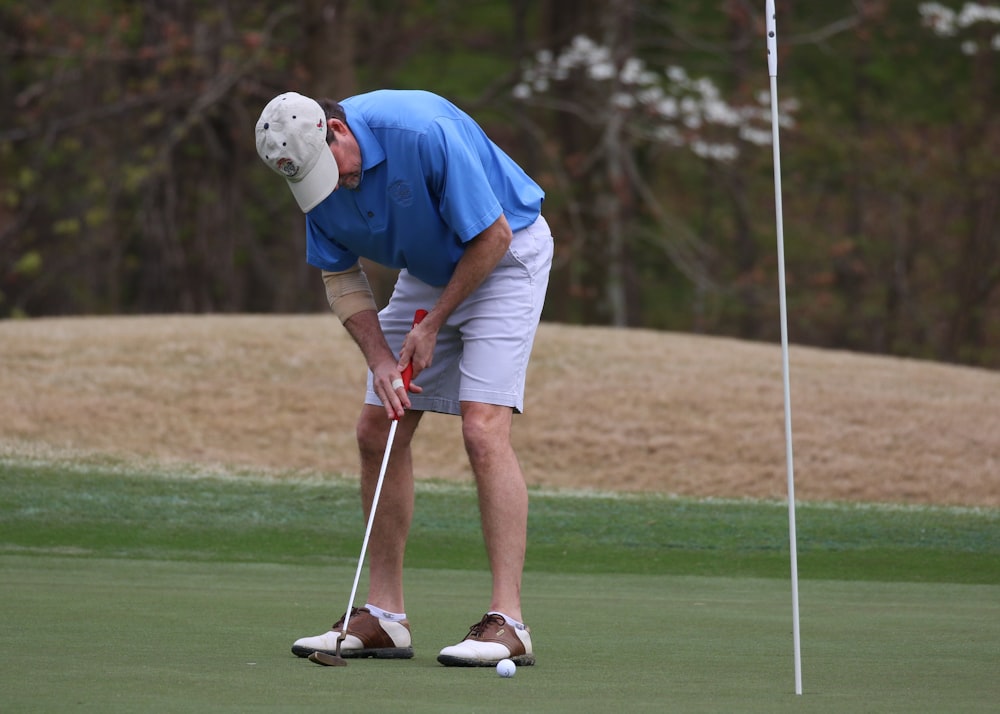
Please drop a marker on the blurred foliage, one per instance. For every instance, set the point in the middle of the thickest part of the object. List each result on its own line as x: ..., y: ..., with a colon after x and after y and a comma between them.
x: 129, y: 181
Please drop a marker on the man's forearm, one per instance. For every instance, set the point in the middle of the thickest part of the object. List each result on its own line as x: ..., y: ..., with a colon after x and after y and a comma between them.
x: 366, y: 331
x: 481, y: 256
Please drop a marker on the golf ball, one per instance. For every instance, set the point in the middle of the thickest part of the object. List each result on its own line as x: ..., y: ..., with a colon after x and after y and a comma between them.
x: 506, y: 668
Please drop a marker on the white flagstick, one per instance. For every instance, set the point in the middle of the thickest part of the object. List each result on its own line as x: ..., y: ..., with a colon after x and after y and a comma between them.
x: 772, y: 66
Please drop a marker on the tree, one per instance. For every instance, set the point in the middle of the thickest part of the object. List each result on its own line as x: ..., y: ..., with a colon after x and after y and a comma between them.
x: 636, y: 116
x: 129, y: 181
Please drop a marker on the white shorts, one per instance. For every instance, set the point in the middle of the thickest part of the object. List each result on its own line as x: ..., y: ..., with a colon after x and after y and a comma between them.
x: 482, y: 350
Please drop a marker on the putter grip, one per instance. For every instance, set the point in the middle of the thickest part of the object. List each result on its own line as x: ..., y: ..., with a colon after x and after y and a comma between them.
x: 408, y: 370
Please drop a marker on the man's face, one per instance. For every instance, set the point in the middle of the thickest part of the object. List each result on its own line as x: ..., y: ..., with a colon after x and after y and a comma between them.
x: 347, y: 153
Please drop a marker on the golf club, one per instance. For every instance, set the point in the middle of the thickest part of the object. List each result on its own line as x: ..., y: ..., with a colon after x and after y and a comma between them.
x: 772, y: 66
x: 336, y: 660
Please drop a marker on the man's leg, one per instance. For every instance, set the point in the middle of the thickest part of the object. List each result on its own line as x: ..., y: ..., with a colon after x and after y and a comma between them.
x: 372, y: 633
x: 503, y: 509
x: 503, y: 499
x: 394, y: 512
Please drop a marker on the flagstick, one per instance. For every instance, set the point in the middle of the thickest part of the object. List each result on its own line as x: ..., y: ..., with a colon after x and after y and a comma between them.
x: 772, y: 63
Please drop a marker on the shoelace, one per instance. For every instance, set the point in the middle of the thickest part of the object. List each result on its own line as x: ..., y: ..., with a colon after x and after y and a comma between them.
x: 477, y: 630
x: 340, y: 623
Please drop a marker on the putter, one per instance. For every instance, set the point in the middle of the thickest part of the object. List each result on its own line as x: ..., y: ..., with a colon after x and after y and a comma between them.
x: 336, y: 660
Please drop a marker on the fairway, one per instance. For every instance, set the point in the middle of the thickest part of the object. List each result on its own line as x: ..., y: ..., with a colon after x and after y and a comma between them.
x: 129, y: 635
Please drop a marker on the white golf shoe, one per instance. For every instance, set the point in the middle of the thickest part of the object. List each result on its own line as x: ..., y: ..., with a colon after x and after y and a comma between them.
x: 367, y: 636
x: 489, y: 641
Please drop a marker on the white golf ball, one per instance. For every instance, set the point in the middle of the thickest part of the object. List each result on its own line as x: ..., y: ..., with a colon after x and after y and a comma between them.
x: 506, y: 668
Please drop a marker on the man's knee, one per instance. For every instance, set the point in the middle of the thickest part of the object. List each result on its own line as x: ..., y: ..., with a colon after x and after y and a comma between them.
x: 372, y: 430
x: 485, y: 428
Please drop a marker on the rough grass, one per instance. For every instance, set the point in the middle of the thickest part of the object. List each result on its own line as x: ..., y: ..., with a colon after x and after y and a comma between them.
x: 628, y: 410
x: 101, y: 511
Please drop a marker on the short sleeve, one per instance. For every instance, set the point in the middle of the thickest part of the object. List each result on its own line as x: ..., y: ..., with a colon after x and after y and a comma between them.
x: 459, y: 180
x: 323, y: 251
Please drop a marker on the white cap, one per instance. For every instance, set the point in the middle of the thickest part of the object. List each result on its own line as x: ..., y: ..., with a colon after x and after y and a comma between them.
x: 291, y: 139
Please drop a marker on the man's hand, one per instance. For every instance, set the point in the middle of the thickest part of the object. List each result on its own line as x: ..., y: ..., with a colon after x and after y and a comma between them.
x: 387, y: 377
x: 387, y: 381
x: 482, y: 254
x: 417, y: 352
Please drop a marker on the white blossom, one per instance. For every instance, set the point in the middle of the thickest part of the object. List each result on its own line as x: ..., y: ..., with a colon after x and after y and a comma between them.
x: 676, y: 74
x: 666, y: 134
x: 671, y: 107
x: 939, y: 18
x: 650, y: 96
x: 718, y: 112
x: 974, y: 12
x: 601, y: 71
x: 667, y: 108
x: 944, y: 21
x: 755, y: 136
x: 622, y: 100
x: 718, y: 152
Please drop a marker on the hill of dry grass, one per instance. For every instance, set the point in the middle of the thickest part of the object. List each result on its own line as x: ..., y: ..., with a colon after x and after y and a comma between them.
x: 608, y: 409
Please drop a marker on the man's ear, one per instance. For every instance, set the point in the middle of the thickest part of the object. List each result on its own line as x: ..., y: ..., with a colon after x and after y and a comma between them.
x: 336, y: 126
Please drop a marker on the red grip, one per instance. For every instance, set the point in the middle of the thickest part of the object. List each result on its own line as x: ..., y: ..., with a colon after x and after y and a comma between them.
x: 408, y: 370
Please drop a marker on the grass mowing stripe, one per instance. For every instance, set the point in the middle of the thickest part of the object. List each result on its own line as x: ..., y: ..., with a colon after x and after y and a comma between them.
x: 114, y: 512
x: 125, y: 635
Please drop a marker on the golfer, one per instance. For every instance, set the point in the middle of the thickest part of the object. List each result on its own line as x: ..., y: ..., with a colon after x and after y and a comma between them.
x: 409, y: 181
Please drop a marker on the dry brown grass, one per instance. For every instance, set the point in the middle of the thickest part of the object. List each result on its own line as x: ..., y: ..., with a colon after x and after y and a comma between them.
x: 608, y: 409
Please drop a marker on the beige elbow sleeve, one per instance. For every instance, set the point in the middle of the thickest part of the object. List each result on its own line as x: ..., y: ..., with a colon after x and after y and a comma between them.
x: 348, y: 292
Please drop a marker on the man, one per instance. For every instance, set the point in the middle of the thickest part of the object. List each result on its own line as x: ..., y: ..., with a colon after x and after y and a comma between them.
x: 409, y: 181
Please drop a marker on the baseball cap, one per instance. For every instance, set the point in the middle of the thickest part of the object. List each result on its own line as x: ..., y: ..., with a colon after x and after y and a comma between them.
x: 291, y: 139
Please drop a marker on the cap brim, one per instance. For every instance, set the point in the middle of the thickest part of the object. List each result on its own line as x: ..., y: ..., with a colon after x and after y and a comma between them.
x: 319, y: 183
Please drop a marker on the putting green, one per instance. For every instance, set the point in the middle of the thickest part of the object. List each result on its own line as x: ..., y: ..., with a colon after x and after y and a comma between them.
x: 127, y: 635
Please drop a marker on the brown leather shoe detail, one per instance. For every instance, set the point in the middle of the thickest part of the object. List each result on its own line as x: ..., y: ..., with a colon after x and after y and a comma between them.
x: 494, y: 628
x: 366, y: 628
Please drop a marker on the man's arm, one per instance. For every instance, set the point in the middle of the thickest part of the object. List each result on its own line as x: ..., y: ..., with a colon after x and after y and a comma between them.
x: 366, y: 331
x: 351, y: 300
x: 482, y: 254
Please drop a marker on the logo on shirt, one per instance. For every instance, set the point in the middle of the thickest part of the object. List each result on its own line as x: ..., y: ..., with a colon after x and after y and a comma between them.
x: 401, y: 193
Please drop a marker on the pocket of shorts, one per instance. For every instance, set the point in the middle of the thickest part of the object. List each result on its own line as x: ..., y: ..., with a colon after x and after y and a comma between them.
x: 528, y: 244
x: 532, y: 249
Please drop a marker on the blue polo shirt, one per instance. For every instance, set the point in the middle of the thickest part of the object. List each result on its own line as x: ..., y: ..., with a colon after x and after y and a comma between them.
x: 432, y: 180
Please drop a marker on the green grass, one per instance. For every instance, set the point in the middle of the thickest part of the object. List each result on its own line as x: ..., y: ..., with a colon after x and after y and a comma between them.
x: 111, y: 512
x: 126, y: 591
x: 127, y: 635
